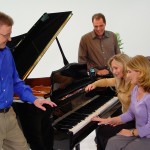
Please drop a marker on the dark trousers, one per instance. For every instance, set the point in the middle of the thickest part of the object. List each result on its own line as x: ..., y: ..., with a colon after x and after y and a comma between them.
x: 104, y: 132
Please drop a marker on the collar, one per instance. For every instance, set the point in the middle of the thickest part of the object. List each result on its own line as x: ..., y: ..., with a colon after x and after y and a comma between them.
x: 105, y: 35
x: 2, y: 49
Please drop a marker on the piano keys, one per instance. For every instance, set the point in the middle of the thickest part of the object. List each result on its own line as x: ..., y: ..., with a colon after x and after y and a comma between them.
x: 75, y: 120
x: 90, y: 114
x: 69, y: 135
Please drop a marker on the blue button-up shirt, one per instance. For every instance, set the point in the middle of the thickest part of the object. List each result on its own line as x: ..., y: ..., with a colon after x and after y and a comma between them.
x: 10, y: 82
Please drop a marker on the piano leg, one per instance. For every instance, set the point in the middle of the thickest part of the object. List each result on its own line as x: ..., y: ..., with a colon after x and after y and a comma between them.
x: 77, y: 147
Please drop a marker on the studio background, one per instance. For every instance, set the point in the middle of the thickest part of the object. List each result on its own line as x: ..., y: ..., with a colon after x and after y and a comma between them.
x: 129, y: 18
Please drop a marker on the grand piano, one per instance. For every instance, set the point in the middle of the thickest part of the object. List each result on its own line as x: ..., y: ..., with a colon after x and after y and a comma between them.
x: 70, y: 122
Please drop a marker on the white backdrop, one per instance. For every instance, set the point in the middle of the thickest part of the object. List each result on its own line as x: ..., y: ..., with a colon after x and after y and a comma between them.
x: 130, y: 18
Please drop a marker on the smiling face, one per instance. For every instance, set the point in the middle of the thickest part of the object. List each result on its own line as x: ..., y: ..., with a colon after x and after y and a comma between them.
x: 133, y: 76
x: 99, y: 26
x: 5, y: 33
x: 117, y: 69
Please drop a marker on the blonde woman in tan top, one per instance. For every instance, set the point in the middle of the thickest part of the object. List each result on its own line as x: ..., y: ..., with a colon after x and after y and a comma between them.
x: 117, y: 65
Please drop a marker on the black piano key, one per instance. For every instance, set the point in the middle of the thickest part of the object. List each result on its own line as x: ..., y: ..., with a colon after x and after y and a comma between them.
x: 68, y: 123
x: 70, y: 120
x: 76, y: 115
x: 73, y: 119
x: 61, y: 126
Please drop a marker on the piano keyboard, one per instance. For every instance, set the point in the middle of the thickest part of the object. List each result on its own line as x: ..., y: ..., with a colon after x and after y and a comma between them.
x: 97, y: 112
x: 78, y: 119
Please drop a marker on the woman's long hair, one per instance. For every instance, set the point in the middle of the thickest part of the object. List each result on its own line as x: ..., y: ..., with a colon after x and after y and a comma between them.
x: 141, y: 64
x: 122, y: 59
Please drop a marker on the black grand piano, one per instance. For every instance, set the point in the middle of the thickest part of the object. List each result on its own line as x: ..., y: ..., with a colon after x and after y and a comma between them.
x: 70, y: 122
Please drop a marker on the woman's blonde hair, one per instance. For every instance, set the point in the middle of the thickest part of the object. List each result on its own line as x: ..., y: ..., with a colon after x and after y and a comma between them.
x: 122, y: 59
x: 141, y: 64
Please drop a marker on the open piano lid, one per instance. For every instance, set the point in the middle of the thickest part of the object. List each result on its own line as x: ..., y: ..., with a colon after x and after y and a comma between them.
x: 28, y: 49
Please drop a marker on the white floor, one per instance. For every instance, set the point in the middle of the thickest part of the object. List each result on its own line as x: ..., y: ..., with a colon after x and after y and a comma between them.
x: 88, y: 143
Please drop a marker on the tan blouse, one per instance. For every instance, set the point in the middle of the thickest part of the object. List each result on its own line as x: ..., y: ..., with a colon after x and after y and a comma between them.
x: 124, y: 95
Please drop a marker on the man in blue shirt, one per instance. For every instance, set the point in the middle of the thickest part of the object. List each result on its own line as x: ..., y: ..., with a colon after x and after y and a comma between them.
x: 11, y: 137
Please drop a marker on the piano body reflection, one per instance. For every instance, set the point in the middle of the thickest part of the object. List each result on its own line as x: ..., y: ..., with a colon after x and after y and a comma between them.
x: 71, y: 119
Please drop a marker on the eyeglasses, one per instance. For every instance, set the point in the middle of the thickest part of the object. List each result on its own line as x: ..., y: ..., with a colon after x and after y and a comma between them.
x: 6, y: 36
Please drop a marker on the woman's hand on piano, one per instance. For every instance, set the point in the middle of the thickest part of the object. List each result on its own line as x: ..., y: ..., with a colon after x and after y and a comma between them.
x: 39, y: 103
x: 111, y: 121
x: 100, y: 121
x: 90, y: 87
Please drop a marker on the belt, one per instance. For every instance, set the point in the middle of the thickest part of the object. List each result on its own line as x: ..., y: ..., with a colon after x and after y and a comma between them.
x: 5, y: 110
